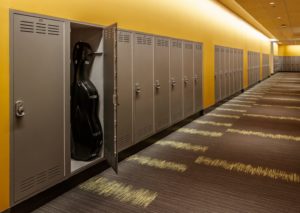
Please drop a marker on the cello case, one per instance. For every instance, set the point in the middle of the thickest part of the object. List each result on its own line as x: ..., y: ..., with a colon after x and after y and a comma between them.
x: 85, y: 124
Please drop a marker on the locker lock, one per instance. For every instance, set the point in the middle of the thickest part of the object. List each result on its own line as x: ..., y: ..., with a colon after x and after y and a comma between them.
x: 137, y: 89
x: 157, y: 85
x: 173, y: 82
x: 20, y: 111
x: 196, y: 78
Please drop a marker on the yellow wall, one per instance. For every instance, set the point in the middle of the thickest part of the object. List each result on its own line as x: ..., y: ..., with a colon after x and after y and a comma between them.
x: 289, y: 50
x: 198, y: 20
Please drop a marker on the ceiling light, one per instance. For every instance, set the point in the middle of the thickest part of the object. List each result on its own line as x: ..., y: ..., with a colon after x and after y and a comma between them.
x: 278, y: 17
x: 272, y: 3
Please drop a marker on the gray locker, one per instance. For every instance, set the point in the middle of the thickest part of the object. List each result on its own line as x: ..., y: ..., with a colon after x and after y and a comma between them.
x: 236, y: 70
x: 124, y: 128
x: 217, y: 74
x: 222, y: 72
x: 38, y: 90
x: 227, y: 72
x: 198, y: 76
x: 231, y: 71
x: 143, y: 86
x: 161, y: 83
x: 188, y: 83
x: 241, y: 72
x: 176, y: 81
x: 249, y: 67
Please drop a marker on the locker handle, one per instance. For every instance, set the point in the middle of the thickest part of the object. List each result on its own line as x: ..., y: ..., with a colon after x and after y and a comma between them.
x: 186, y: 80
x: 196, y: 78
x: 173, y: 82
x: 157, y: 84
x: 138, y: 88
x: 20, y: 111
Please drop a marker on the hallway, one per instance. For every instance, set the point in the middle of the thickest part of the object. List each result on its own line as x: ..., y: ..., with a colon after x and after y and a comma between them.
x: 241, y: 157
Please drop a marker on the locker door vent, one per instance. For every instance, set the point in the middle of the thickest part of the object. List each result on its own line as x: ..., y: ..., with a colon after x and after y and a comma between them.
x: 162, y: 43
x: 176, y: 44
x: 124, y: 38
x: 41, y: 178
x: 27, y: 184
x: 53, y: 29
x: 143, y: 40
x: 188, y: 46
x: 54, y: 172
x: 26, y: 26
x: 198, y: 46
x: 40, y: 28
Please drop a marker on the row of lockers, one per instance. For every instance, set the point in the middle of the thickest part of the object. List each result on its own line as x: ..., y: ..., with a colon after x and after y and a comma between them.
x: 265, y: 66
x: 253, y: 67
x: 286, y: 63
x: 159, y: 84
x: 228, y: 71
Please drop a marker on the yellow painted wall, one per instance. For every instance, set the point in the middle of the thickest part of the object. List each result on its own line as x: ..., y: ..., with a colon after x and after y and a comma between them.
x: 289, y: 50
x: 198, y: 20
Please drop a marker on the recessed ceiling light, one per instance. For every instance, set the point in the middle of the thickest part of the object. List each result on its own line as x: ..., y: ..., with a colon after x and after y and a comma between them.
x: 272, y: 3
x: 278, y: 17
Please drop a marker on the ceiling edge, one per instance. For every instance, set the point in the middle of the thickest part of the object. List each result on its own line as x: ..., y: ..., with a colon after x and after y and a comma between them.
x: 233, y: 6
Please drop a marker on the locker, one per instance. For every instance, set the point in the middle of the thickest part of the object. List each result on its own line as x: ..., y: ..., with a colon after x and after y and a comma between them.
x: 143, y: 86
x: 176, y: 81
x: 236, y: 76
x: 241, y: 69
x: 124, y: 128
x: 249, y: 68
x: 217, y: 74
x: 198, y: 76
x: 231, y: 71
x: 161, y: 83
x: 38, y: 114
x: 223, y: 72
x: 188, y: 83
x: 227, y: 69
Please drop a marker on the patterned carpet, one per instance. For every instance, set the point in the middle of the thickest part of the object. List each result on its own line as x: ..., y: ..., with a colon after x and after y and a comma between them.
x: 244, y: 156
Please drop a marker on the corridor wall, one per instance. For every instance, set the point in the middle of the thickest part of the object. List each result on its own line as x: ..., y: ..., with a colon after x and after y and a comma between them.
x: 204, y: 21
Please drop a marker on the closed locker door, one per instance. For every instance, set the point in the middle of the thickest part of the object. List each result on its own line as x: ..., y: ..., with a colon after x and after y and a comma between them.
x: 249, y: 68
x: 227, y: 69
x: 143, y: 86
x: 222, y: 72
x: 176, y: 81
x: 161, y: 83
x: 236, y: 78
x: 124, y: 127
x: 198, y: 76
x: 39, y: 87
x: 188, y: 83
x: 217, y: 73
x: 288, y: 63
x: 297, y: 63
x: 232, y: 70
x: 241, y: 67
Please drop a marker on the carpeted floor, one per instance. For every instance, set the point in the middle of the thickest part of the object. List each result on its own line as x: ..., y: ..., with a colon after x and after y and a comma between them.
x: 242, y: 157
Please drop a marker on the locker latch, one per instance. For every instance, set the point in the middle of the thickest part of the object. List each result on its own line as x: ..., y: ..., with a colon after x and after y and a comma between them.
x: 20, y: 111
x: 137, y: 88
x: 196, y: 78
x: 157, y: 85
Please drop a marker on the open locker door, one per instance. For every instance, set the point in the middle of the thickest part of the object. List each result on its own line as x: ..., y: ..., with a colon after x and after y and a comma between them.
x: 110, y: 96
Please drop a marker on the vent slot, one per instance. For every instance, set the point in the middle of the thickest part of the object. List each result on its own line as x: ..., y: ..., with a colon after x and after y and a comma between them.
x: 53, y: 172
x: 188, y: 46
x: 40, y: 28
x: 41, y: 178
x: 144, y: 40
x: 27, y: 26
x: 53, y: 29
x: 198, y: 46
x: 27, y: 184
x: 176, y: 44
x: 124, y: 37
x: 162, y: 43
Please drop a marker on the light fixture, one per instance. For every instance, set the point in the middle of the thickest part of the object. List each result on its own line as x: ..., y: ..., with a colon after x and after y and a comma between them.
x: 272, y: 3
x: 278, y: 17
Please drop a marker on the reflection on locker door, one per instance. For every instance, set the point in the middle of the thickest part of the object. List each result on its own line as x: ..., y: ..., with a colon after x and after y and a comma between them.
x: 161, y: 83
x: 198, y: 76
x: 124, y: 128
x: 38, y: 96
x: 176, y: 81
x: 143, y: 86
x: 222, y: 72
x: 217, y: 73
x: 188, y: 84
